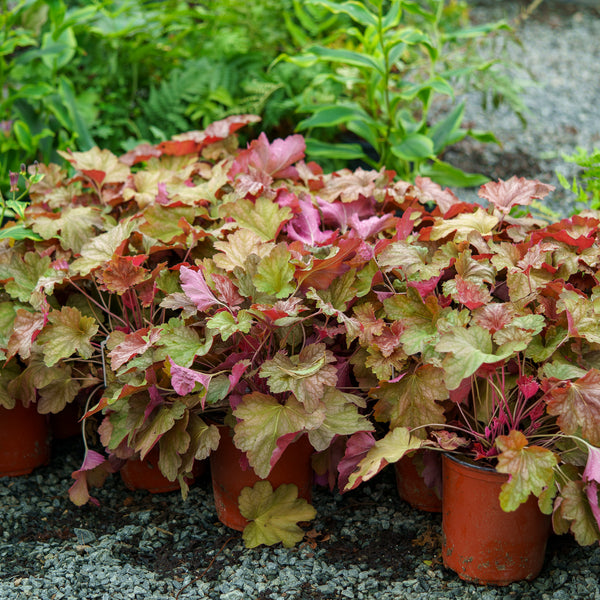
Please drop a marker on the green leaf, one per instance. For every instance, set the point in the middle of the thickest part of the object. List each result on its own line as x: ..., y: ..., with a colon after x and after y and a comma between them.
x: 467, y: 350
x: 226, y: 324
x: 8, y: 372
x: 357, y: 11
x: 24, y: 274
x: 273, y: 515
x: 444, y: 132
x: 275, y: 274
x: 58, y: 393
x: 341, y: 418
x: 531, y: 469
x: 173, y: 444
x: 348, y: 57
x: 69, y: 332
x: 265, y: 217
x: 445, y: 174
x: 412, y: 401
x: 329, y: 116
x: 305, y: 374
x: 262, y: 420
x: 413, y: 146
x: 183, y: 343
x: 317, y: 149
x: 163, y: 420
x: 387, y: 450
x: 101, y: 248
x: 574, y: 507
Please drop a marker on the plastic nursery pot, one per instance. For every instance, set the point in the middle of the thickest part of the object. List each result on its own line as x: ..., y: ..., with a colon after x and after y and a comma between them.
x: 145, y: 475
x: 481, y: 542
x: 412, y: 488
x: 228, y: 478
x: 24, y: 440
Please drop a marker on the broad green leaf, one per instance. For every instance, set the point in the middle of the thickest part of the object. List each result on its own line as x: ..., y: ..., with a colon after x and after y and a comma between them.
x: 583, y: 319
x: 413, y: 147
x: 69, y: 333
x: 347, y: 57
x: 59, y: 392
x: 357, y: 11
x: 162, y: 223
x: 24, y: 274
x: 273, y: 515
x: 275, y: 274
x: 448, y: 175
x: 183, y: 343
x: 341, y: 418
x: 173, y: 443
x: 317, y: 149
x: 467, y: 350
x: 101, y: 248
x: 389, y: 449
x: 226, y: 323
x: 163, y: 420
x: 239, y: 246
x: 76, y: 226
x: 305, y: 374
x: 575, y: 508
x: 262, y: 420
x: 541, y: 350
x: 412, y: 401
x: 18, y: 232
x: 530, y: 469
x: 418, y: 263
x: 577, y: 406
x: 264, y: 217
x: 446, y: 131
x: 329, y: 116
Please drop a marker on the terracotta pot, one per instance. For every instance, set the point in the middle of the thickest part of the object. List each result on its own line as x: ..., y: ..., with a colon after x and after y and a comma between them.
x: 24, y: 440
x: 145, y: 475
x: 481, y: 542
x: 412, y: 487
x: 228, y: 478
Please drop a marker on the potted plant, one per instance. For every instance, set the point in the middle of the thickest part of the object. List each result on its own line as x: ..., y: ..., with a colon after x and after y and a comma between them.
x: 191, y: 283
x: 494, y: 318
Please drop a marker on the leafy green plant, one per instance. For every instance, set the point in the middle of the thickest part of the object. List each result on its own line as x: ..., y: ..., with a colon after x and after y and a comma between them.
x: 385, y: 81
x: 586, y: 186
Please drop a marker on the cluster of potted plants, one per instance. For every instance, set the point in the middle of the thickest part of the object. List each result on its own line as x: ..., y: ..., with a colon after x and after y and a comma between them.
x: 205, y: 301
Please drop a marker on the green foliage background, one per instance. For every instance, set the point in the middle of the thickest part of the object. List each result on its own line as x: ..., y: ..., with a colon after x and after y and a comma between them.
x: 114, y: 73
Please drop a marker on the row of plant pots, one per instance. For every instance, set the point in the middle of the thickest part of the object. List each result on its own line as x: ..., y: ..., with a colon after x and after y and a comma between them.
x: 193, y: 293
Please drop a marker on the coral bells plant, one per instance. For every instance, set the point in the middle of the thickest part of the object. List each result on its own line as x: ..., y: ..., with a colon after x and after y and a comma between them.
x: 493, y: 332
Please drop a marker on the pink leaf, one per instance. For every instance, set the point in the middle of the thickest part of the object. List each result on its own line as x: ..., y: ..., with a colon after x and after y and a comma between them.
x: 517, y: 191
x: 227, y: 291
x: 135, y: 343
x: 305, y: 227
x: 184, y: 380
x: 339, y: 213
x: 356, y: 449
x: 196, y: 289
x: 370, y: 226
x: 445, y: 199
x: 591, y: 475
x: 275, y: 159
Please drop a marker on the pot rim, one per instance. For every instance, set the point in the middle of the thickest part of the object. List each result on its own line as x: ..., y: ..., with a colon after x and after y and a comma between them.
x: 463, y: 460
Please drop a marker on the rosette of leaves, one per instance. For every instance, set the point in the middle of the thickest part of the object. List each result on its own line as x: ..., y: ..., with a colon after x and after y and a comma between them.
x: 488, y: 325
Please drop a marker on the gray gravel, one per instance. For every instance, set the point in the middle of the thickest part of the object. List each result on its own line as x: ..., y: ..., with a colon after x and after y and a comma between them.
x: 560, y: 54
x: 367, y: 544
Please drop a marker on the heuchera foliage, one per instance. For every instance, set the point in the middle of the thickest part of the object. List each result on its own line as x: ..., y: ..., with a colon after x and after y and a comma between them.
x: 192, y: 282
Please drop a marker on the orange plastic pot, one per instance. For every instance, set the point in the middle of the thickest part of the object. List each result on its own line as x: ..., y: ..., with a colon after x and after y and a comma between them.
x: 24, y: 440
x: 412, y: 488
x: 228, y: 478
x: 481, y: 542
x: 145, y: 475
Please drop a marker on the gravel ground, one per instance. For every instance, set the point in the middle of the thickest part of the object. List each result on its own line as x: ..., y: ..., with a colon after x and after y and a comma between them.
x: 560, y: 54
x: 367, y: 544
